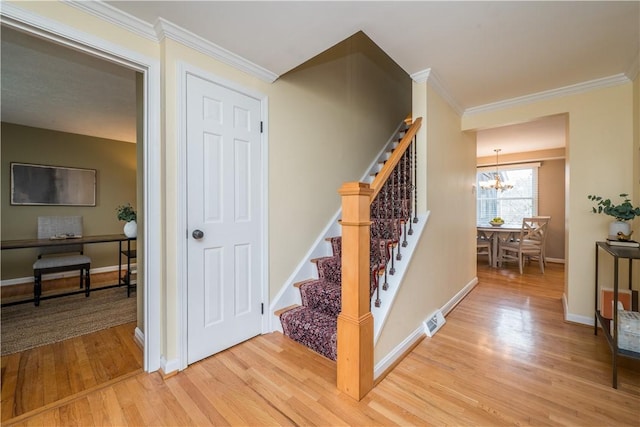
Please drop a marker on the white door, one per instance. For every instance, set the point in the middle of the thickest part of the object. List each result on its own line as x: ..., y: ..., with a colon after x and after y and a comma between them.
x: 224, y: 218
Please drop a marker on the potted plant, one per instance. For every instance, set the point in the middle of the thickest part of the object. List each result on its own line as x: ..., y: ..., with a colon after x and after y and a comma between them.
x: 622, y: 212
x: 128, y: 214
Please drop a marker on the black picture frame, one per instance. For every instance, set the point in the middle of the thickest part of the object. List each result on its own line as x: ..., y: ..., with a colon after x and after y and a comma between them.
x: 35, y: 185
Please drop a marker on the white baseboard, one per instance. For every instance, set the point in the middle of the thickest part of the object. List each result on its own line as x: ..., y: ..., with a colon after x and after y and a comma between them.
x: 138, y: 337
x: 62, y: 275
x: 575, y: 318
x: 169, y: 366
x: 400, y: 350
x: 388, y: 361
x: 459, y: 296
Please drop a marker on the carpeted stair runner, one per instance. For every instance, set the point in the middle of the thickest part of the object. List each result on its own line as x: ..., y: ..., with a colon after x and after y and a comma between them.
x: 314, y: 324
x: 316, y: 330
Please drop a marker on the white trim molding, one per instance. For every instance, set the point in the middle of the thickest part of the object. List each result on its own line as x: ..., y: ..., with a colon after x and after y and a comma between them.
x: 171, y: 31
x: 634, y: 67
x: 166, y: 29
x: 430, y: 76
x: 401, y: 349
x: 169, y: 366
x: 575, y: 318
x: 604, y: 82
x: 115, y: 16
x: 138, y: 337
x: 450, y: 305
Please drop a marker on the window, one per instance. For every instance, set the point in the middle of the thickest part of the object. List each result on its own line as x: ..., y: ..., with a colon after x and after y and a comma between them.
x: 511, y: 205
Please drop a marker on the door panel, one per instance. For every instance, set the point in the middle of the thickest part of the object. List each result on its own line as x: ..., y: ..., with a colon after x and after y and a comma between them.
x: 224, y: 202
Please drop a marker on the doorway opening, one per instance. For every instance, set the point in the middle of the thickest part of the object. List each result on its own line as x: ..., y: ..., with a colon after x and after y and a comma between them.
x: 146, y: 164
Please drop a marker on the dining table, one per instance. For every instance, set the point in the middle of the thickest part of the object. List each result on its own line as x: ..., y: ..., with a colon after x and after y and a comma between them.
x: 498, y: 233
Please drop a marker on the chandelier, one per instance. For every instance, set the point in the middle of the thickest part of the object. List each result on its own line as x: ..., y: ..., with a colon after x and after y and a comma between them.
x: 496, y: 182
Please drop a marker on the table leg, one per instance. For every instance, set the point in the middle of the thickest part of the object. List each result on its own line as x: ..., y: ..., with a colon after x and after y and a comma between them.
x: 494, y: 249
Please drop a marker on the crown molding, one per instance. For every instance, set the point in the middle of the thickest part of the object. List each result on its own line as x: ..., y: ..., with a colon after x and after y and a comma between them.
x: 614, y: 80
x: 171, y: 31
x: 421, y: 76
x: 115, y: 16
x: 166, y: 29
x: 430, y: 76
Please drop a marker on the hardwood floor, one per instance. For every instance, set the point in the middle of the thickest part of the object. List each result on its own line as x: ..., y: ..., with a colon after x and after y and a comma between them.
x: 504, y: 356
x: 50, y: 374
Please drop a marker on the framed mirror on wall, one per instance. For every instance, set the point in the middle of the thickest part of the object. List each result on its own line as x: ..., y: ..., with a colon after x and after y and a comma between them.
x: 52, y: 185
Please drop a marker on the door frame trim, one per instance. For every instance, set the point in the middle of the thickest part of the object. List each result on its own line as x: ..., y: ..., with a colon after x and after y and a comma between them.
x: 56, y: 32
x: 184, y: 69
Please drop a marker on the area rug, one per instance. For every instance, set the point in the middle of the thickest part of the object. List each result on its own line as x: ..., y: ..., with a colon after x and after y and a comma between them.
x: 26, y: 326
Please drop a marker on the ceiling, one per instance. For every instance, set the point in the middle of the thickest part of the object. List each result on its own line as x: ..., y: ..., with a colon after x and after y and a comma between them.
x: 49, y: 86
x: 480, y: 52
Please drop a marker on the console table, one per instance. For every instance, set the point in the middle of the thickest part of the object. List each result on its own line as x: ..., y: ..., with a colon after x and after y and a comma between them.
x: 129, y: 254
x: 84, y: 240
x: 39, y: 243
x: 617, y: 252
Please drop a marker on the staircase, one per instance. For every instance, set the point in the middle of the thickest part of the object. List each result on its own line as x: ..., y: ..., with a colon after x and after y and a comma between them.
x: 392, y: 212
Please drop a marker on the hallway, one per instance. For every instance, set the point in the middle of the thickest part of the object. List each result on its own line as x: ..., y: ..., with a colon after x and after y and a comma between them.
x: 504, y: 356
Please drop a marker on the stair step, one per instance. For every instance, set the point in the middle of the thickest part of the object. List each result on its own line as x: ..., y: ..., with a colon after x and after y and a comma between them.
x: 302, y: 282
x: 282, y: 310
x: 329, y: 269
x: 322, y: 296
x: 336, y: 245
x: 316, y: 260
x: 312, y: 329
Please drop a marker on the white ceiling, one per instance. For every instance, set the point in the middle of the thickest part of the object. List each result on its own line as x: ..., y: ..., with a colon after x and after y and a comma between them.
x: 49, y: 86
x: 481, y: 52
x: 543, y: 134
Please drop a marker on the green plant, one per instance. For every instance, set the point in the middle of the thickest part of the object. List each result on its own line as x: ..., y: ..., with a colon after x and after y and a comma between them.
x: 621, y: 212
x: 126, y: 213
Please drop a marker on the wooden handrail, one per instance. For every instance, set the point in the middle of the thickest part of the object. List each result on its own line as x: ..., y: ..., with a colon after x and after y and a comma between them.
x: 395, y: 157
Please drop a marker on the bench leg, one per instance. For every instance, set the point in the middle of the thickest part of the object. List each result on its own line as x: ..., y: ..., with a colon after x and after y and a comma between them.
x: 37, y: 288
x: 88, y: 282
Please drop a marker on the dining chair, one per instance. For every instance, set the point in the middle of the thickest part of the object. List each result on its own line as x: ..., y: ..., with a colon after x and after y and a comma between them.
x: 484, y: 246
x: 59, y: 258
x: 536, y: 233
x: 530, y: 243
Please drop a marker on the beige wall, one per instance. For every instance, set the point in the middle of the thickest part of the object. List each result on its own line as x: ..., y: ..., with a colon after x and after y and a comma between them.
x: 551, y: 202
x: 551, y: 191
x: 331, y: 116
x: 600, y: 160
x: 444, y: 261
x: 115, y: 163
x: 327, y: 121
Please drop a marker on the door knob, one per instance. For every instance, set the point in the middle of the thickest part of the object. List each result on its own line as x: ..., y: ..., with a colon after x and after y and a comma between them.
x: 197, y: 234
